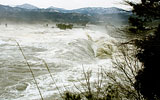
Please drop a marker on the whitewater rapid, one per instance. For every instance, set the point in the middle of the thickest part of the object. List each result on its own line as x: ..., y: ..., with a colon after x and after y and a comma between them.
x: 67, y: 53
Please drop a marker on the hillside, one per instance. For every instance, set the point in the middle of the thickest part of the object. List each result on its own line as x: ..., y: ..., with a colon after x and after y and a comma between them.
x: 31, y: 14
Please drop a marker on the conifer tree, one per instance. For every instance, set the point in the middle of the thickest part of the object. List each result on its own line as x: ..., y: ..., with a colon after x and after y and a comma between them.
x: 146, y: 15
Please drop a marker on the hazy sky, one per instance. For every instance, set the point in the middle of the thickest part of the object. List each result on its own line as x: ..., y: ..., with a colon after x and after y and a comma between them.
x: 67, y: 4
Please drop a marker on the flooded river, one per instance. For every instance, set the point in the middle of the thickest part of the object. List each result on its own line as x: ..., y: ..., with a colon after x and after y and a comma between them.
x: 67, y: 53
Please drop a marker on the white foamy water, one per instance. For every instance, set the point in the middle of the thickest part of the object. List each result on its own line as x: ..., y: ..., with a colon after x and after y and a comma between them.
x: 66, y: 52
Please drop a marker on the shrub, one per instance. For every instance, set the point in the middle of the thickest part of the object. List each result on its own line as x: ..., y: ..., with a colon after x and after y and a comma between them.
x: 117, y: 84
x: 64, y: 26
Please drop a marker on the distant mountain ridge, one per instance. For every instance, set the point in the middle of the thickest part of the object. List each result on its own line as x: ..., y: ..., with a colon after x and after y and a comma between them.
x: 16, y: 14
x: 87, y: 10
x: 99, y: 10
x: 27, y: 6
x: 30, y: 13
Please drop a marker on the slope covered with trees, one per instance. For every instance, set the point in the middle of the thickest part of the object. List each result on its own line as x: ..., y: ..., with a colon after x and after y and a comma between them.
x: 146, y: 20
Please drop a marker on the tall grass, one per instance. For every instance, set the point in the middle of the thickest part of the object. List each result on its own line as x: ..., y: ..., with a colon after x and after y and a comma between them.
x: 46, y: 65
x: 30, y: 69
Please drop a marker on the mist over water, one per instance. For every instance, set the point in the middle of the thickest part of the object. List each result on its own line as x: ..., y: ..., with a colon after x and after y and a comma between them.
x: 66, y: 52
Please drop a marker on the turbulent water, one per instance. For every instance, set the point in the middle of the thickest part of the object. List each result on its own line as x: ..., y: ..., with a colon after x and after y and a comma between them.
x: 67, y: 53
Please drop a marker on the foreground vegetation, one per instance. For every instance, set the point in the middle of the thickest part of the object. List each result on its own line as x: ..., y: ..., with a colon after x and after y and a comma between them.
x: 115, y: 84
x: 146, y: 20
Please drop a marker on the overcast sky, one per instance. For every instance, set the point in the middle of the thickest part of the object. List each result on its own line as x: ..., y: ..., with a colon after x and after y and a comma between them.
x: 67, y: 4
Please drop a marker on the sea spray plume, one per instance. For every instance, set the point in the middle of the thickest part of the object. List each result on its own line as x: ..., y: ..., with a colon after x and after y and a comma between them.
x: 89, y: 37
